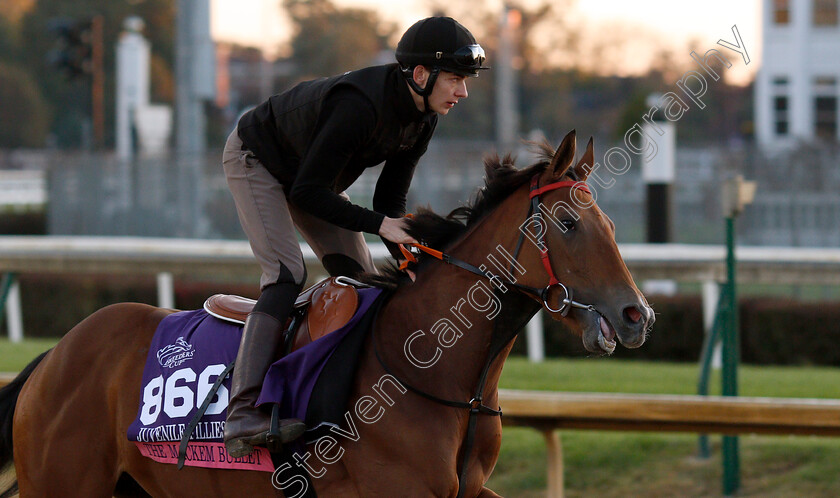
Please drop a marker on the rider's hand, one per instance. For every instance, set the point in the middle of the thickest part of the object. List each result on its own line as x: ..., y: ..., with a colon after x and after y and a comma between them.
x: 393, y: 229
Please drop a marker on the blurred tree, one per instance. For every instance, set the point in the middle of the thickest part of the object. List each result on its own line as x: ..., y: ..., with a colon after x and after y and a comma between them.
x: 13, y: 10
x: 7, y: 44
x: 543, y: 31
x: 727, y: 108
x: 162, y: 81
x: 566, y: 67
x: 545, y: 34
x: 24, y: 116
x: 69, y: 102
x: 634, y: 108
x: 328, y: 40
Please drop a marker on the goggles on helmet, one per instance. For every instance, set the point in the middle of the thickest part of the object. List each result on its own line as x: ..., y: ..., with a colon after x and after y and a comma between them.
x: 470, y: 56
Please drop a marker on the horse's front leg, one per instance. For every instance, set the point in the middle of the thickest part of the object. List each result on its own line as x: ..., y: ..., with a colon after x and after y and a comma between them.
x: 487, y: 493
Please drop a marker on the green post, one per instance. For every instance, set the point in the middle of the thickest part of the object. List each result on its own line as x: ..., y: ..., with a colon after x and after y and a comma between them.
x: 709, y: 342
x: 736, y: 194
x: 731, y: 354
x: 5, y: 286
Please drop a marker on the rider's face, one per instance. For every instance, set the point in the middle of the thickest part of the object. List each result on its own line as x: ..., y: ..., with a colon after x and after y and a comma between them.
x: 449, y: 89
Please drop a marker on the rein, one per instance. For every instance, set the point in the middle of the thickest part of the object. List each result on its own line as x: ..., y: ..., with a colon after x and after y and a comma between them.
x: 542, y: 294
x: 475, y: 405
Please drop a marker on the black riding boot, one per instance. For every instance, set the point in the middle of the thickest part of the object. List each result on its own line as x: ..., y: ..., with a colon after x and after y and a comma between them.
x: 248, y: 426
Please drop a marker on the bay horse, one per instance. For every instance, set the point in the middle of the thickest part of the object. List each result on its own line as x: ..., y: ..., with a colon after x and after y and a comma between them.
x: 414, y: 400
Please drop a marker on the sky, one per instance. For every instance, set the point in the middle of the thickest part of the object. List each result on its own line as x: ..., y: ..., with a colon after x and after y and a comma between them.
x: 261, y: 22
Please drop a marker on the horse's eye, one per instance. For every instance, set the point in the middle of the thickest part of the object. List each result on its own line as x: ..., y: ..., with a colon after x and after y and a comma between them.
x: 568, y: 225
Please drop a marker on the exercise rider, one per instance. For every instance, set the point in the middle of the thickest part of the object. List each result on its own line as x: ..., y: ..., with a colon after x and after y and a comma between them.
x: 288, y: 163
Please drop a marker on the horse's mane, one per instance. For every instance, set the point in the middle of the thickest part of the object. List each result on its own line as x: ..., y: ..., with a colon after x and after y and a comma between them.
x: 501, y: 179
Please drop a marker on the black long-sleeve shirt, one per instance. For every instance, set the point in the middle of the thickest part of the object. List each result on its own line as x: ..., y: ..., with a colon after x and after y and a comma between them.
x: 350, y: 134
x: 346, y: 123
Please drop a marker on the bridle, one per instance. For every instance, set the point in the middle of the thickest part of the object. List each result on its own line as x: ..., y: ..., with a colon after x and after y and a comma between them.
x: 566, y: 304
x: 475, y: 405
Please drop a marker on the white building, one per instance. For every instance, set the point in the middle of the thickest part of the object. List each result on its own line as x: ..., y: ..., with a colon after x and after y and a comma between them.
x: 796, y: 89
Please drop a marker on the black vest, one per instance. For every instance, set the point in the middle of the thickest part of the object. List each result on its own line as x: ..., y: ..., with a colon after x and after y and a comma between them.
x: 279, y: 130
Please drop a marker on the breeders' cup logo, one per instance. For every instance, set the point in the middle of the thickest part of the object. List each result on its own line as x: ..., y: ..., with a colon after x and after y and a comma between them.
x: 175, y: 354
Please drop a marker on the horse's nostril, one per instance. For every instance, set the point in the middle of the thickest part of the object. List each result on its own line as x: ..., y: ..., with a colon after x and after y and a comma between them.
x: 632, y: 314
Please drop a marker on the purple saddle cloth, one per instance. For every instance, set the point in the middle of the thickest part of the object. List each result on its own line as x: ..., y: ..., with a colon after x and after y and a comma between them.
x: 312, y: 383
x: 191, y: 348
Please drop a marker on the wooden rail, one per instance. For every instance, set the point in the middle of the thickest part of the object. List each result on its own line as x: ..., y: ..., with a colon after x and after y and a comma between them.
x: 549, y: 411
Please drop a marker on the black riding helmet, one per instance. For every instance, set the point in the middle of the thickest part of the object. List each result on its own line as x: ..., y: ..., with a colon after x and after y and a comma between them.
x: 441, y: 44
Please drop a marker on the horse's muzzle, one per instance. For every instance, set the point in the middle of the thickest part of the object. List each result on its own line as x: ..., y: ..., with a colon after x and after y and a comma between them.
x: 628, y: 325
x: 636, y: 322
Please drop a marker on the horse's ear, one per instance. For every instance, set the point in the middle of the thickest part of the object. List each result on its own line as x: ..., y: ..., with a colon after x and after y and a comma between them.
x: 584, y: 166
x: 564, y: 156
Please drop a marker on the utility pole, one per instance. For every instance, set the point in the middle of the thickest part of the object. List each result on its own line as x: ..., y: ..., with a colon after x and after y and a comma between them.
x: 507, y: 103
x: 196, y: 84
x: 507, y: 130
x: 97, y: 79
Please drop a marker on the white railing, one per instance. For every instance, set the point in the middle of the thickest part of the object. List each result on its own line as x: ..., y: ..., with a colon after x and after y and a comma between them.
x: 233, y: 260
x: 22, y: 188
x: 219, y: 260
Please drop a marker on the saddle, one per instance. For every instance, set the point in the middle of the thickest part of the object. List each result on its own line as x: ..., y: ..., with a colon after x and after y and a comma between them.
x: 322, y: 308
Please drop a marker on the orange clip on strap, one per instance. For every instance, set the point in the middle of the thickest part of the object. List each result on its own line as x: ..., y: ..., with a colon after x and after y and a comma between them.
x: 409, y: 258
x: 428, y: 250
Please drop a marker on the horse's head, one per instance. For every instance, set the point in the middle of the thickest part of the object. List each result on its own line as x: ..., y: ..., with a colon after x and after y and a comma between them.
x: 566, y: 255
x: 603, y: 301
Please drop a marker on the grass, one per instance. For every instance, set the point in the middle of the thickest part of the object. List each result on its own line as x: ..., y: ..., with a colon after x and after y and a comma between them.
x: 15, y: 356
x: 619, y: 464
x: 613, y: 375
x: 613, y: 464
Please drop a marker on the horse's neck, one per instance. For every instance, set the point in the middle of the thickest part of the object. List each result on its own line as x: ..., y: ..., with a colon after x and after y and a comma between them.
x: 438, y: 333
